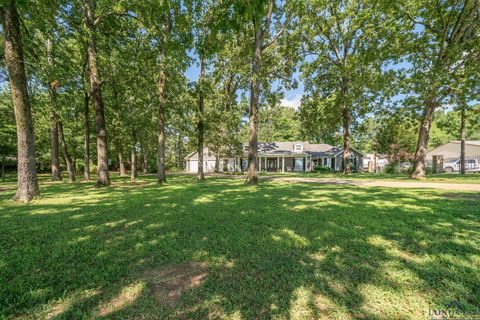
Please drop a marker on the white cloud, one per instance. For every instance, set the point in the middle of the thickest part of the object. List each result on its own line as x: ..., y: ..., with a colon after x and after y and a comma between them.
x: 292, y: 102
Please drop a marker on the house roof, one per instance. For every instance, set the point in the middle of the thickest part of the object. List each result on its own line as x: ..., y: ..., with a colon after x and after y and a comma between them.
x: 286, y: 148
x: 283, y: 147
x: 469, y: 142
x: 207, y: 155
x: 451, y: 149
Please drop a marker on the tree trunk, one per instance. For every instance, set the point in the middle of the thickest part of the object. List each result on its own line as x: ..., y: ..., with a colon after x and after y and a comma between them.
x: 86, y: 138
x: 133, y: 164
x: 3, y: 169
x: 462, y: 140
x: 217, y: 162
x: 179, y: 152
x: 144, y: 160
x: 54, y: 142
x: 27, y: 185
x: 121, y: 163
x: 66, y: 155
x: 161, y: 161
x: 419, y: 164
x: 103, y: 178
x: 346, y: 141
x: 200, y: 125
x: 161, y: 176
x: 74, y: 162
x: 252, y: 176
x: 54, y: 117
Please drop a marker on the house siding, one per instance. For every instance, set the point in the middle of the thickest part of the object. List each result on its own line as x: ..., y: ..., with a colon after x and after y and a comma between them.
x: 452, y: 150
x: 280, y: 156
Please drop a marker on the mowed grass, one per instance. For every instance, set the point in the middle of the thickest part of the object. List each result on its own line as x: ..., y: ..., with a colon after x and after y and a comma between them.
x: 470, y: 178
x: 275, y: 251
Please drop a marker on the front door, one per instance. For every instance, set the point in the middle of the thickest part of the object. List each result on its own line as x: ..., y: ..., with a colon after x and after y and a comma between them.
x: 299, y: 164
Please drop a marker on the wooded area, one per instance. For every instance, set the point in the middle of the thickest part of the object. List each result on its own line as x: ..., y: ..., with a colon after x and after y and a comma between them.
x: 116, y: 77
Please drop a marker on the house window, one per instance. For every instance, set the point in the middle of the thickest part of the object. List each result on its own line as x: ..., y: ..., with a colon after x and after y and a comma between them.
x: 298, y: 164
x: 299, y: 147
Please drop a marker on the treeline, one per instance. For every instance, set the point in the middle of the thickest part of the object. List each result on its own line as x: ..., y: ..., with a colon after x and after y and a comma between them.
x: 111, y: 76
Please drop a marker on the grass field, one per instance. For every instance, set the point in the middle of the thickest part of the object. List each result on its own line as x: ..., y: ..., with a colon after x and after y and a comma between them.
x: 440, y: 178
x: 221, y: 249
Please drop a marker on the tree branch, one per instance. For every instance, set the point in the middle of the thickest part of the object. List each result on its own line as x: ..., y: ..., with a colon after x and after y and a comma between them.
x: 279, y: 33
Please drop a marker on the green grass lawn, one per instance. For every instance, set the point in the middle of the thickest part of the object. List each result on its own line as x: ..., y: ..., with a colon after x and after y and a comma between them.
x: 275, y: 251
x: 441, y: 178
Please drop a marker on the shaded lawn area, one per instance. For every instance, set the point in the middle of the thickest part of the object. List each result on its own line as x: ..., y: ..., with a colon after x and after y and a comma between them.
x: 440, y: 178
x: 279, y: 250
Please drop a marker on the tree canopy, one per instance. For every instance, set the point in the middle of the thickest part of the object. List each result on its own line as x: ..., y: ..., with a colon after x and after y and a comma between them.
x: 147, y: 82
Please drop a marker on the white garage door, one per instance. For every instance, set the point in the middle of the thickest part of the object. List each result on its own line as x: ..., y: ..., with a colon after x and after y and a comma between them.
x: 210, y: 166
x: 193, y: 166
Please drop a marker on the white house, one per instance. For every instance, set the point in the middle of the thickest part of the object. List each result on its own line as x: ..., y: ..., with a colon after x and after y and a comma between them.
x: 280, y: 157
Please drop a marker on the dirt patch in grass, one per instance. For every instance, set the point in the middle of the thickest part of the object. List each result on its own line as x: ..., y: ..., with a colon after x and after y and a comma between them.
x: 168, y: 284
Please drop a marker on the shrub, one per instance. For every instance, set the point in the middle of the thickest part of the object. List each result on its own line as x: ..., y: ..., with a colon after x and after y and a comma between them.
x: 322, y: 169
x: 390, y: 168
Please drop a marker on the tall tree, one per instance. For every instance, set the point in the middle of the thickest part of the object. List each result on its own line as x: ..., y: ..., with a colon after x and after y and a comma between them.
x: 441, y: 40
x: 261, y: 15
x: 205, y: 30
x: 201, y: 124
x: 66, y: 154
x: 343, y: 69
x: 52, y: 87
x: 86, y: 136
x: 27, y: 185
x: 90, y: 21
x: 168, y: 28
x: 162, y: 78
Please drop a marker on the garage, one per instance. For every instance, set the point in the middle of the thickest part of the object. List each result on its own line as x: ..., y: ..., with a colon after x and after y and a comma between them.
x: 193, y: 166
x: 191, y: 161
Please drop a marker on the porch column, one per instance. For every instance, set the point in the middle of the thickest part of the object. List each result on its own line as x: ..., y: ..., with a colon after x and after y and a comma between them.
x: 283, y: 164
x: 278, y: 163
x: 259, y: 164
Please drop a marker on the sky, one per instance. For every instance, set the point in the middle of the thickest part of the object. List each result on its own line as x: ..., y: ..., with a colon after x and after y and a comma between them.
x: 292, y: 98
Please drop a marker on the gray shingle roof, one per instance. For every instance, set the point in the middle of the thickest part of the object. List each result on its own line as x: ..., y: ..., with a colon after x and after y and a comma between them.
x: 283, y: 148
x: 288, y: 147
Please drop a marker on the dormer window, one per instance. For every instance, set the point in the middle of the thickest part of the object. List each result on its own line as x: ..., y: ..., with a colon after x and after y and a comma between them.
x: 298, y: 147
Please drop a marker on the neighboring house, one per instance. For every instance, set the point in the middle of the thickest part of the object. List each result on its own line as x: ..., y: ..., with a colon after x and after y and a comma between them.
x: 280, y: 157
x: 451, y: 150
x: 372, y: 159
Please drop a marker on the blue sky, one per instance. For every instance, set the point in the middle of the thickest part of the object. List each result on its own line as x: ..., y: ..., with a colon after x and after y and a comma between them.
x: 292, y: 97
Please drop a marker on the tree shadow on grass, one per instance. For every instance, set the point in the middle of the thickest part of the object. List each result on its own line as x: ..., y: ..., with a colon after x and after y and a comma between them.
x: 274, y: 251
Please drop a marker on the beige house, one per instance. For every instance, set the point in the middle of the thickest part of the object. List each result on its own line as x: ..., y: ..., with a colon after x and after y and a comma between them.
x: 451, y: 150
x: 279, y: 157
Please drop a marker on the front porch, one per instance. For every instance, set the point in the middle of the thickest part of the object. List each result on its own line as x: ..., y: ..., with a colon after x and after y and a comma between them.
x: 268, y: 163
